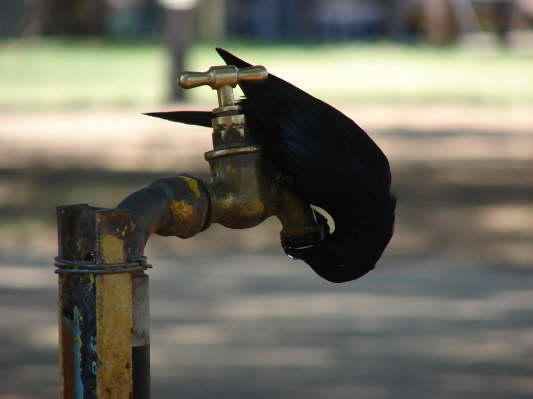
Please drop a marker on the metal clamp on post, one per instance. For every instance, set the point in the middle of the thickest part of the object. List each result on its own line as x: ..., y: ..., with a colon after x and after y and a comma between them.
x: 65, y: 266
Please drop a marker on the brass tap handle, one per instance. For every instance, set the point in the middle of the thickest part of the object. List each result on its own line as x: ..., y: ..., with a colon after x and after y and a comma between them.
x: 223, y: 78
x: 224, y: 75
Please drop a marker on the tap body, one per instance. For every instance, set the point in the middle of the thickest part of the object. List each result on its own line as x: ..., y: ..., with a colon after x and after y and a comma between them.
x: 239, y: 194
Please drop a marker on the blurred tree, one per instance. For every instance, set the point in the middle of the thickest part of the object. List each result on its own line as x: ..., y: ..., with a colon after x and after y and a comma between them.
x: 266, y: 17
x: 212, y: 18
x: 67, y: 17
x: 395, y: 22
x: 439, y: 23
x: 179, y: 33
x: 503, y: 11
x: 522, y: 15
x: 11, y: 16
x: 134, y: 19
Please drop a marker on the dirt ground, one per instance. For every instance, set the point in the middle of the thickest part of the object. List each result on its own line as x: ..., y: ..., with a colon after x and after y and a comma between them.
x: 447, y: 313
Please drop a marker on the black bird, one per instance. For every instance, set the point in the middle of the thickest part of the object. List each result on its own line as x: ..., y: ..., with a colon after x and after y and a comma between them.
x: 332, y: 163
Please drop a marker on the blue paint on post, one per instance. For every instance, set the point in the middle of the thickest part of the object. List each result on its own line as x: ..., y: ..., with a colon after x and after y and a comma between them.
x: 75, y: 330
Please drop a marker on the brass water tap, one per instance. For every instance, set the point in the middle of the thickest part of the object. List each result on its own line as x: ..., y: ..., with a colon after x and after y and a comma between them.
x: 228, y: 122
x: 242, y: 193
x: 223, y: 79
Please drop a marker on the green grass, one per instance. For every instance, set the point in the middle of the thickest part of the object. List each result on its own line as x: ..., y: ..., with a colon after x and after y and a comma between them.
x: 51, y: 74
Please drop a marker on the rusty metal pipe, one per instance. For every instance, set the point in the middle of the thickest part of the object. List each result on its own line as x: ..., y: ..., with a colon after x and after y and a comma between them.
x: 174, y: 206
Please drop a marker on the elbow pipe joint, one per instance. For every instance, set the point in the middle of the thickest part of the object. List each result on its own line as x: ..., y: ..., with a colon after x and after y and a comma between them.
x: 176, y: 206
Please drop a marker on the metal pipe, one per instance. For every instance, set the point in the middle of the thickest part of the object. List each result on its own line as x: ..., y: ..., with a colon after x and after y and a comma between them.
x: 103, y: 290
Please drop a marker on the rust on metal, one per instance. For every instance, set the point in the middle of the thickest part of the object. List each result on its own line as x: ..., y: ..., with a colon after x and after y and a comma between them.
x: 114, y: 326
x: 193, y: 185
x: 182, y: 211
x: 114, y: 311
x: 76, y: 303
x: 112, y: 248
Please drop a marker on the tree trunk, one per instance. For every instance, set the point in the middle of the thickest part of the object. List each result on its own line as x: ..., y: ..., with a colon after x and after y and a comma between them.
x: 440, y: 27
x: 179, y: 34
x: 67, y: 17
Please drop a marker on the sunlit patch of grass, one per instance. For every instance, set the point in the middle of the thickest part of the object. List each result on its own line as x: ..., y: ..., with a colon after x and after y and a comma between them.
x: 76, y: 74
x: 67, y: 74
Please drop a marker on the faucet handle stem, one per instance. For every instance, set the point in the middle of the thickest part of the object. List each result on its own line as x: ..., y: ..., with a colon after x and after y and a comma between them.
x: 223, y: 78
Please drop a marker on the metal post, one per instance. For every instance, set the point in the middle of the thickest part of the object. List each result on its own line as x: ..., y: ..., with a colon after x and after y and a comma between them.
x: 103, y: 301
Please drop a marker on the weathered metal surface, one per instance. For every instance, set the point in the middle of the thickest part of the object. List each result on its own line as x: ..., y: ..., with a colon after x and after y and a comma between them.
x: 114, y: 311
x: 175, y: 206
x: 77, y: 302
x: 103, y: 291
x: 141, y: 310
x: 114, y: 336
x: 193, y: 185
x: 77, y: 330
x: 242, y: 194
x: 141, y: 337
x: 95, y: 304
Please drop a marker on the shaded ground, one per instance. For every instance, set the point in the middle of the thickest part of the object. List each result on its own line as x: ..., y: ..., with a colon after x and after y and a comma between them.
x: 445, y: 315
x: 256, y: 325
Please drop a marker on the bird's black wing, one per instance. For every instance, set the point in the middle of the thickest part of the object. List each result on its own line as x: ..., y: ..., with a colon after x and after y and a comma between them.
x: 312, y: 142
x: 334, y: 164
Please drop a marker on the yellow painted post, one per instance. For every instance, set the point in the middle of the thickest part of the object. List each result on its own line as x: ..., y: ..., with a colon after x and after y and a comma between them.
x: 114, y: 318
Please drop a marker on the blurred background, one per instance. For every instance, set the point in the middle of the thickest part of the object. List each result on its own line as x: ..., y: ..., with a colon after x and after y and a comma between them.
x: 445, y: 87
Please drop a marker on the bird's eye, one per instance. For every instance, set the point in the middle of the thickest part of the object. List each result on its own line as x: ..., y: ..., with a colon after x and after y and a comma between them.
x: 325, y: 214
